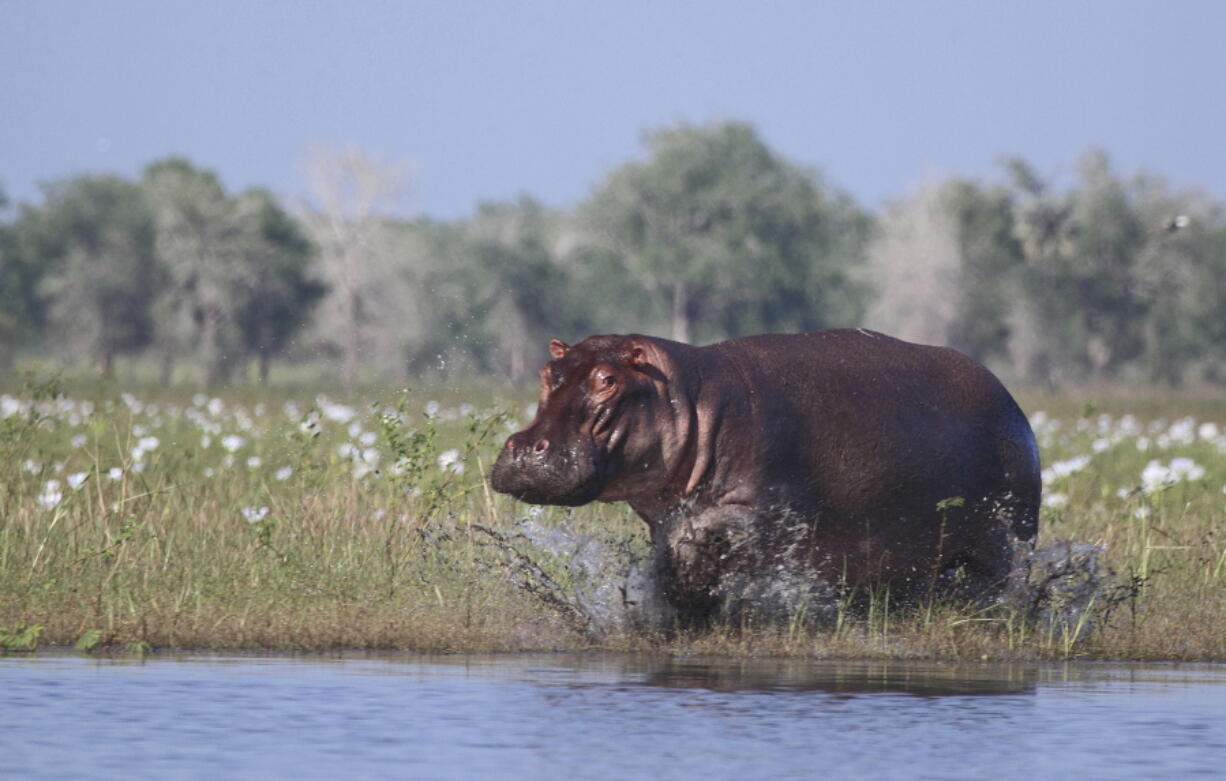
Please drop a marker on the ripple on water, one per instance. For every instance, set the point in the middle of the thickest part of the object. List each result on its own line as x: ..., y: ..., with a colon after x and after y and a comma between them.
x: 603, y: 717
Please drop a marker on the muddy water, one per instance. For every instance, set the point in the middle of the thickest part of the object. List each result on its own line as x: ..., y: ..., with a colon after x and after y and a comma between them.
x: 566, y: 716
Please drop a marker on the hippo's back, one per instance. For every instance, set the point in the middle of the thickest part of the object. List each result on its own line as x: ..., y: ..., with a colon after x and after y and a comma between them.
x: 888, y: 431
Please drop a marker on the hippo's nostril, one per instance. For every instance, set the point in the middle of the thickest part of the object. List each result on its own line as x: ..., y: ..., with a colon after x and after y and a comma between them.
x: 541, y: 446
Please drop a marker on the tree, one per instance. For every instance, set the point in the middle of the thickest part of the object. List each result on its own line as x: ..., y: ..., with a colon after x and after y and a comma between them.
x: 990, y: 266
x: 200, y: 246
x: 523, y: 290
x: 350, y: 226
x: 96, y: 236
x: 914, y: 263
x: 945, y: 266
x: 497, y: 286
x: 1081, y: 252
x: 1181, y: 277
x: 728, y: 236
x: 282, y: 294
x: 21, y: 309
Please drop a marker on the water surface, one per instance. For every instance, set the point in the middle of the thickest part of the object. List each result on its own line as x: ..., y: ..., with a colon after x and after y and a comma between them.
x: 614, y: 717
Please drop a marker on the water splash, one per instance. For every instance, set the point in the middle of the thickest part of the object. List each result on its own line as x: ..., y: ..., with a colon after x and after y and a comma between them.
x: 599, y: 584
x: 1067, y: 587
x: 603, y: 585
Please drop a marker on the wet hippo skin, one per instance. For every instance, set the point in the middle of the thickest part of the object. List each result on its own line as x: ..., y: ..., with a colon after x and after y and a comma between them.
x: 842, y: 457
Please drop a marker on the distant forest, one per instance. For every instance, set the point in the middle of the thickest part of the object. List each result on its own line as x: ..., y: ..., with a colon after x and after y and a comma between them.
x: 709, y: 234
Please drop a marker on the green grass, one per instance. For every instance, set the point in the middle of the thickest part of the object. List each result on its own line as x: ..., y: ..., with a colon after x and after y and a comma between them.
x: 172, y: 547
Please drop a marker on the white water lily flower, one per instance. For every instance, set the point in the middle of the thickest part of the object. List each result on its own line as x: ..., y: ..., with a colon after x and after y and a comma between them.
x: 1055, y: 500
x: 232, y: 442
x: 284, y: 473
x: 339, y: 413
x: 51, y: 495
x: 77, y: 479
x: 131, y: 403
x: 1062, y: 469
x: 255, y: 514
x: 10, y: 406
x: 310, y: 426
x: 1187, y: 469
x: 449, y: 461
x: 1156, y: 476
x: 1182, y: 431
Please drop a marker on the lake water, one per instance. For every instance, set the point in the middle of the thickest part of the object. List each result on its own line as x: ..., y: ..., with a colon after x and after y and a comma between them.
x: 614, y: 717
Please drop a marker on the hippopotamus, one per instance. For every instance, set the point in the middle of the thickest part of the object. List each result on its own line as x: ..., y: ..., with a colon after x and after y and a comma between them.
x: 784, y: 464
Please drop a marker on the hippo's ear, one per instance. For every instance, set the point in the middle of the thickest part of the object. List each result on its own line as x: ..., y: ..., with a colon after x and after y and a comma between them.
x: 642, y: 355
x: 558, y: 348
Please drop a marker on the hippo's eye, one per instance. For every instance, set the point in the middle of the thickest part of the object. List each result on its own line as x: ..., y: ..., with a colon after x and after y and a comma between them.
x: 604, y: 382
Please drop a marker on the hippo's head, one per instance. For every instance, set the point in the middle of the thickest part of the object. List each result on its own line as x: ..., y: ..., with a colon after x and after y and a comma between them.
x: 598, y: 413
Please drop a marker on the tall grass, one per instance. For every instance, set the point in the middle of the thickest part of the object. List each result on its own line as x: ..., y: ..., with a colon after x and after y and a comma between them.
x: 263, y: 520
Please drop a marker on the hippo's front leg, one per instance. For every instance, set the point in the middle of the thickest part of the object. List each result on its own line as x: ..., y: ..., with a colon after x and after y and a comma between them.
x: 738, y: 564
x: 695, y: 552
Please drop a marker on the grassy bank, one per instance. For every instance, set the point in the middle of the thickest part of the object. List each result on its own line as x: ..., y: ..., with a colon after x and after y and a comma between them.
x: 263, y: 521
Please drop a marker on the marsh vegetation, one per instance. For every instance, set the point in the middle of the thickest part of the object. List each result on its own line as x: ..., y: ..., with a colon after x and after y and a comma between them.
x: 294, y: 520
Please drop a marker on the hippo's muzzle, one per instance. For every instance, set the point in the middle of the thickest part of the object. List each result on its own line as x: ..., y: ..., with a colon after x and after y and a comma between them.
x: 536, y: 470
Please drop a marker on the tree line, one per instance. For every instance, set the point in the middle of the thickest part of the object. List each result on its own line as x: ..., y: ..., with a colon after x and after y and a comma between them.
x: 708, y: 234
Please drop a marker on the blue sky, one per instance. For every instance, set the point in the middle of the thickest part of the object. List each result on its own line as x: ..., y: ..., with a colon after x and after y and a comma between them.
x: 487, y: 100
